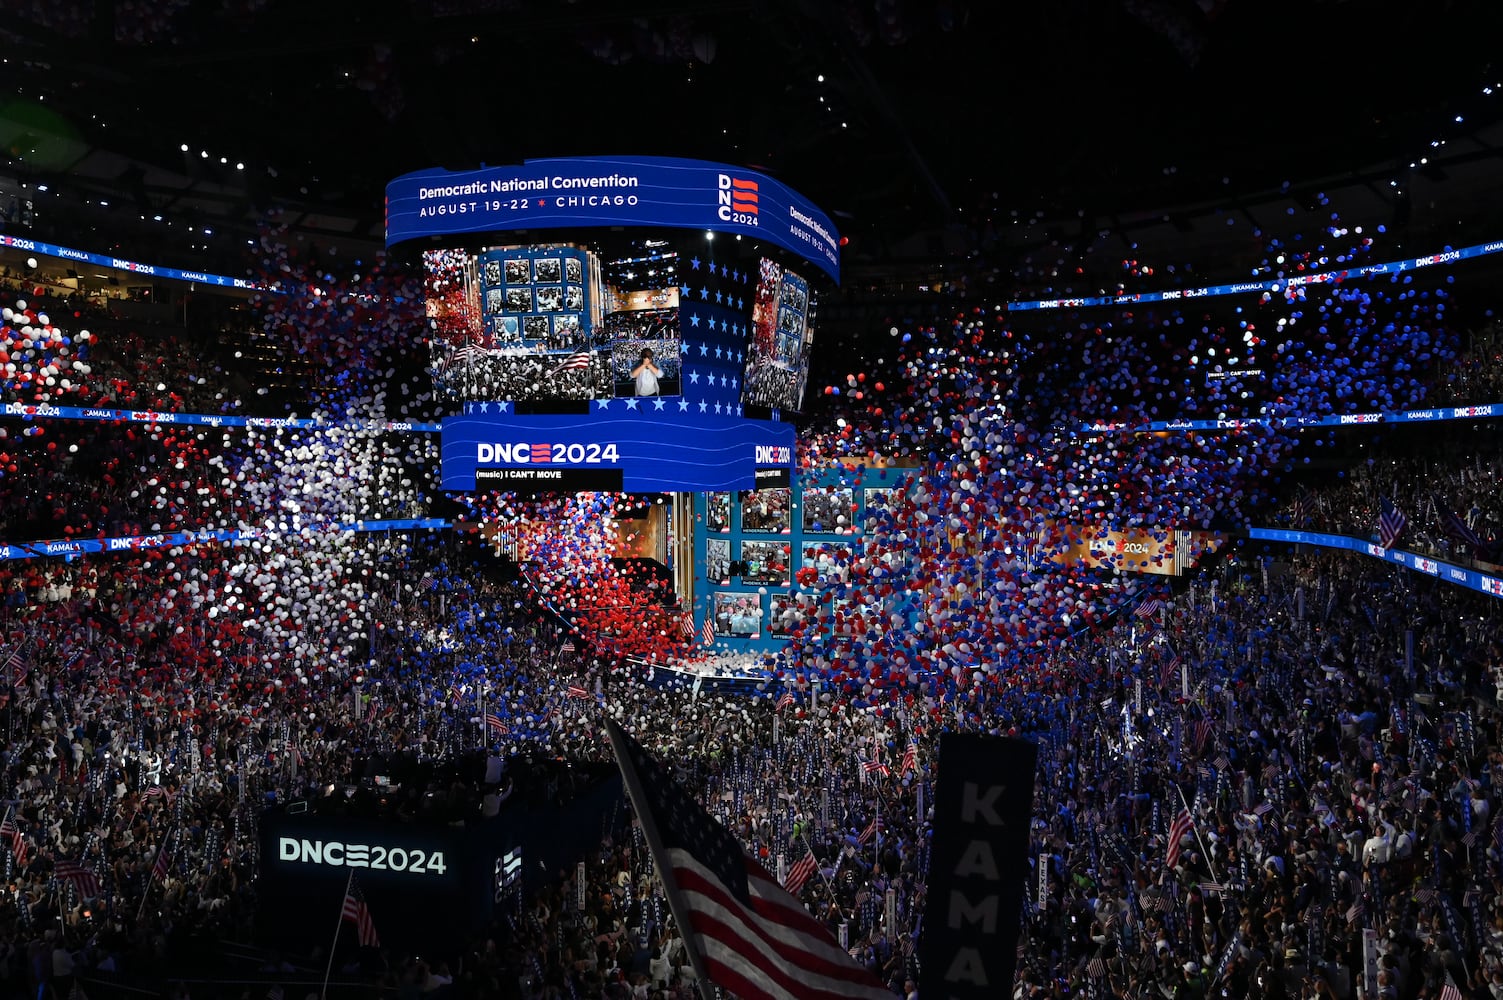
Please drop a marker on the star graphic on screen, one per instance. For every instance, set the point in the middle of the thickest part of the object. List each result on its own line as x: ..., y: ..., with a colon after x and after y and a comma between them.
x: 631, y: 403
x: 719, y: 297
x: 733, y: 384
x: 694, y: 263
x: 717, y: 350
x: 469, y: 408
x: 704, y: 293
x: 724, y: 271
x: 541, y: 203
x: 502, y: 407
x: 738, y: 356
x: 694, y: 319
x: 703, y: 406
x: 694, y: 377
x: 722, y: 381
x: 683, y: 289
x: 717, y: 407
x: 657, y: 404
x: 704, y: 349
x: 683, y: 405
x: 485, y: 407
x: 738, y: 409
x: 603, y: 403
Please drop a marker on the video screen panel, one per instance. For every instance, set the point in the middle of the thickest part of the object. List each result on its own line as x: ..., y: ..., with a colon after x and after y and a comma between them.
x: 553, y: 322
x: 738, y: 614
x: 777, y: 357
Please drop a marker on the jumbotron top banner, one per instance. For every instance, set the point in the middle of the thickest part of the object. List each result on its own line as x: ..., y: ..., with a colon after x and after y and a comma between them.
x: 611, y: 191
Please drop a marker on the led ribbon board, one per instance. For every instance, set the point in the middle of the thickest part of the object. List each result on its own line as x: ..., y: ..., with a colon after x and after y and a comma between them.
x: 605, y: 191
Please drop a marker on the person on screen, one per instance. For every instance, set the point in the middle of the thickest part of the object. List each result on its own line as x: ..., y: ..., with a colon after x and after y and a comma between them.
x: 647, y: 374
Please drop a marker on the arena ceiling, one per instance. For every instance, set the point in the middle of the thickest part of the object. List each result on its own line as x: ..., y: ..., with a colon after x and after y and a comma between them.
x: 919, y: 125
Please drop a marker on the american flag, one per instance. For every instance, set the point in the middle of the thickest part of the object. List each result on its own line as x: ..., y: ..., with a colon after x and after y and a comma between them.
x: 876, y: 767
x: 748, y: 934
x: 455, y: 694
x: 873, y: 828
x: 1391, y: 524
x: 164, y: 859
x: 427, y: 582
x: 1096, y: 968
x: 574, y: 362
x: 1182, y: 825
x: 1148, y: 608
x: 1301, y: 508
x: 785, y: 700
x: 156, y: 792
x: 686, y: 624
x: 910, y: 759
x: 709, y: 630
x: 1454, y: 526
x: 81, y: 878
x: 802, y: 871
x: 1166, y: 675
x: 568, y: 646
x: 1355, y: 911
x: 16, y: 668
x: 1449, y: 990
x: 493, y: 721
x: 575, y: 691
x: 1200, y: 732
x: 359, y: 914
x: 12, y: 835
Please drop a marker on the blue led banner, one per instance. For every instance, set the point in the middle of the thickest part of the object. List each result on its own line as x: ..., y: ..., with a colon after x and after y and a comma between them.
x: 70, y: 547
x: 118, y: 264
x: 598, y: 191
x: 631, y: 450
x: 1458, y: 575
x: 1483, y: 411
x: 29, y: 411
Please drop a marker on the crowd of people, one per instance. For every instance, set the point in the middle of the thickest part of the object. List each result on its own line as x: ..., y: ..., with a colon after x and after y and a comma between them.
x: 1328, y: 725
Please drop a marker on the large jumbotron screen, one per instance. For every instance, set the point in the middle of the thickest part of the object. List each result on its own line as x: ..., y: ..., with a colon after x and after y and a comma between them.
x: 594, y: 334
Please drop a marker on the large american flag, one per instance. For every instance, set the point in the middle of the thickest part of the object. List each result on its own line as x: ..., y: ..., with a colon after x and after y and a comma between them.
x: 745, y: 932
x: 76, y: 875
x: 1182, y: 825
x: 359, y: 914
x: 709, y: 630
x: 1391, y: 524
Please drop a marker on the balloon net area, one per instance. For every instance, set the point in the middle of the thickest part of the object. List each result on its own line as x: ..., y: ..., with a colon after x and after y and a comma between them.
x: 1325, y: 721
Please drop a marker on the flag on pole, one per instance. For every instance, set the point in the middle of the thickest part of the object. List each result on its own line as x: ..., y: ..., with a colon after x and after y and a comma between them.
x: 1391, y: 524
x: 574, y: 362
x: 1457, y: 528
x: 12, y: 835
x: 568, y: 646
x: 427, y: 582
x: 785, y: 700
x: 873, y: 828
x: 76, y: 875
x: 493, y: 721
x: 1449, y: 990
x: 801, y: 872
x: 686, y: 625
x: 576, y: 691
x: 709, y: 630
x: 16, y: 668
x: 743, y: 931
x: 1182, y: 825
x: 1148, y: 608
x: 357, y: 913
x: 910, y: 759
x: 876, y: 767
x: 164, y: 860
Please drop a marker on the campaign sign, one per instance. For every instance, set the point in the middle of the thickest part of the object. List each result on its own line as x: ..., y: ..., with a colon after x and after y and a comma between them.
x: 413, y: 876
x: 978, y: 866
x: 600, y: 191
x: 635, y: 452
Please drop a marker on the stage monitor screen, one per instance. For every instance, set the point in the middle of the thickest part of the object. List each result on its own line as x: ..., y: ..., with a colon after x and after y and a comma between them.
x: 777, y: 355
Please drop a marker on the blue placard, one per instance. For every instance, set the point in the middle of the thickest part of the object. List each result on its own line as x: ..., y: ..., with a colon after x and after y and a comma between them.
x: 597, y: 191
x: 629, y: 450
